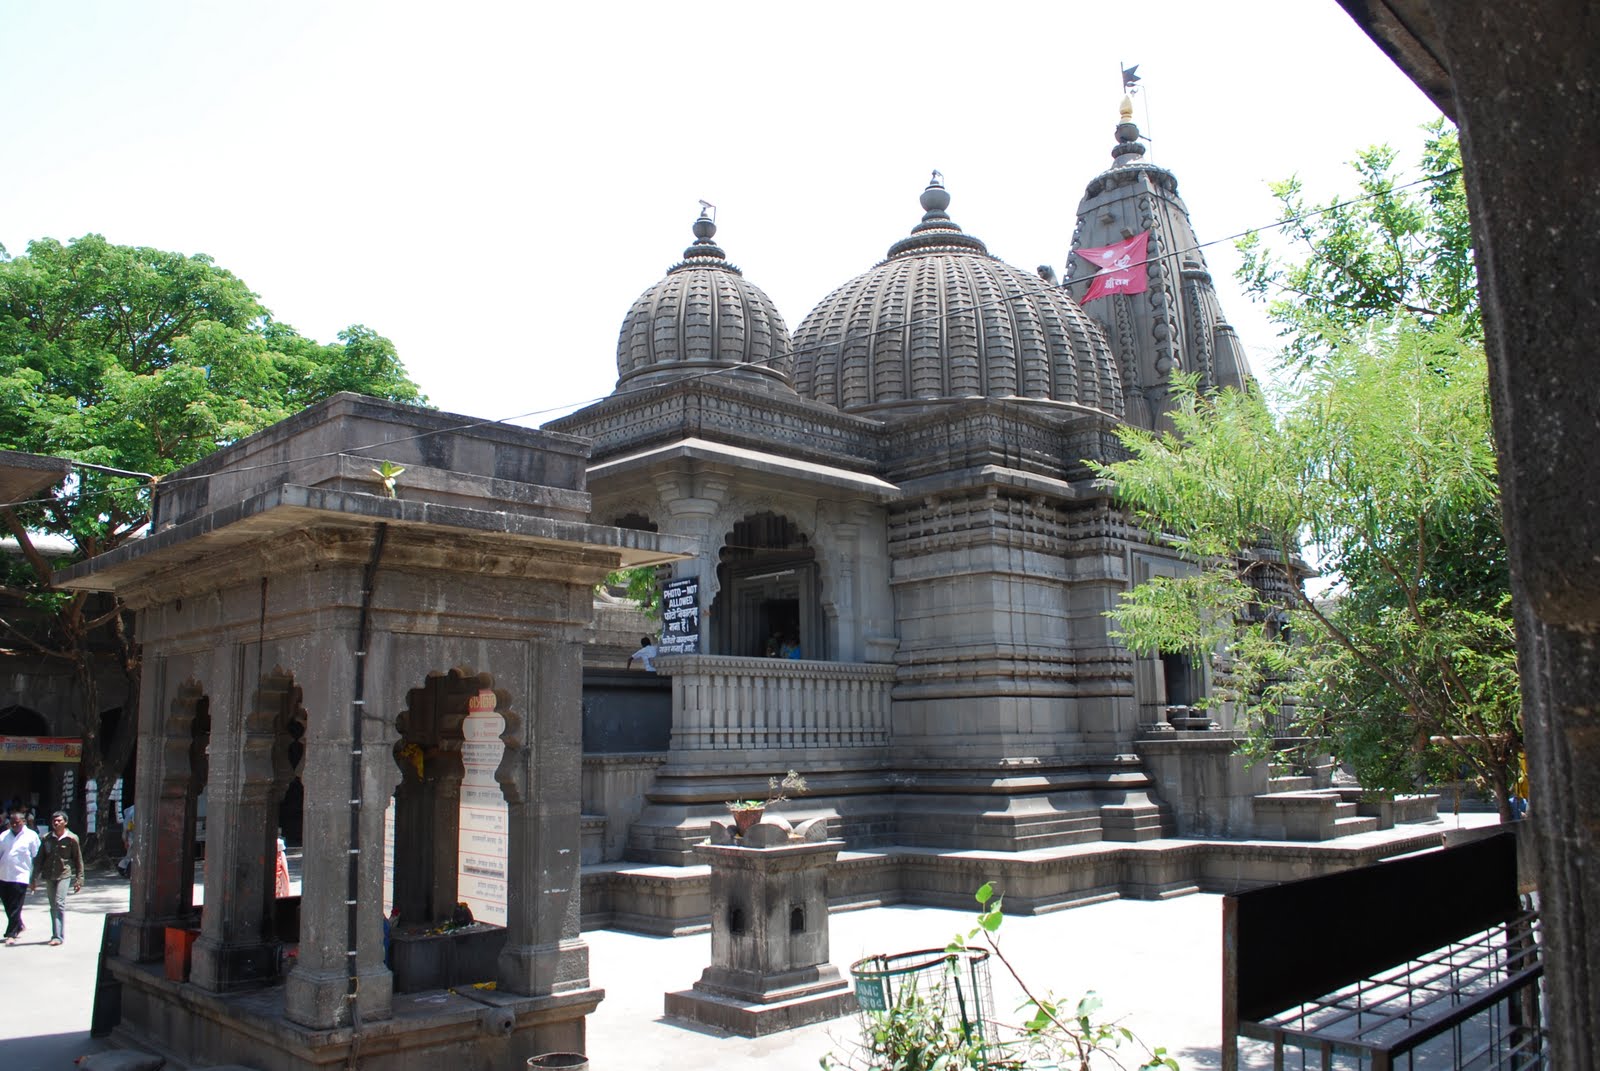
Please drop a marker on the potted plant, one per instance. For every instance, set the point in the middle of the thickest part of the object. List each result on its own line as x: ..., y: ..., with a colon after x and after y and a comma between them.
x: 747, y: 813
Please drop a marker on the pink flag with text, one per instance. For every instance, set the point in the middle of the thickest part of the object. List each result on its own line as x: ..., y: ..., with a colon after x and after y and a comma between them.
x: 1122, y: 267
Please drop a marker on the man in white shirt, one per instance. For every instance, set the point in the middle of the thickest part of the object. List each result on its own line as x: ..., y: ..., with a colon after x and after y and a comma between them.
x: 18, y: 846
x: 646, y: 653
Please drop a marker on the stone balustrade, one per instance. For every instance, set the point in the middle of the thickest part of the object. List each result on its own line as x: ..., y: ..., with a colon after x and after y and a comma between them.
x: 722, y: 703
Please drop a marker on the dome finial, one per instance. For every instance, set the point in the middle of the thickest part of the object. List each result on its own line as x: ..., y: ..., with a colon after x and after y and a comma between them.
x: 705, y: 228
x: 1128, y: 148
x: 935, y: 199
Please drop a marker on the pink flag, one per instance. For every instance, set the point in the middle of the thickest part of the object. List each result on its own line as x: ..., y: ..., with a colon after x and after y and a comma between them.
x: 1122, y: 267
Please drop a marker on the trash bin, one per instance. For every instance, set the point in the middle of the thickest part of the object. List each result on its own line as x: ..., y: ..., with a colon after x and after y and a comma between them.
x: 570, y: 1061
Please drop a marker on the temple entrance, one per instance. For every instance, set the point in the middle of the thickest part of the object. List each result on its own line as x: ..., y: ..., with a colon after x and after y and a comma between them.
x: 769, y: 594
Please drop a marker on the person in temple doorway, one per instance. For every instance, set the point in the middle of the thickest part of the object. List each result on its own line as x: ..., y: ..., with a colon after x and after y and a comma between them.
x: 646, y: 653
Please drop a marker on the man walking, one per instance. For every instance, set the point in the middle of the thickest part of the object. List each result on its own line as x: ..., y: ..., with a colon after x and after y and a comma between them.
x: 18, y: 846
x: 59, y: 861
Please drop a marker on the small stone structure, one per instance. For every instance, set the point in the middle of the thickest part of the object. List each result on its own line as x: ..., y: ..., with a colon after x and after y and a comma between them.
x: 769, y: 932
x: 308, y: 629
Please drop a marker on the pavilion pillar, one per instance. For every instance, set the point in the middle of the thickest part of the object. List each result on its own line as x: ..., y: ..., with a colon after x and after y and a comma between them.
x: 317, y: 991
x: 544, y: 954
x: 162, y: 883
x: 237, y: 948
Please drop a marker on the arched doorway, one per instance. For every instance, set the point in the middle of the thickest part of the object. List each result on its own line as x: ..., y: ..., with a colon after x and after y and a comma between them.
x: 24, y: 783
x: 768, y: 592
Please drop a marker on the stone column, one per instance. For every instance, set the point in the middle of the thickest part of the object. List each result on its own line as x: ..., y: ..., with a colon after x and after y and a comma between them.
x: 162, y: 888
x: 544, y: 955
x: 691, y: 504
x: 316, y: 991
x: 237, y: 948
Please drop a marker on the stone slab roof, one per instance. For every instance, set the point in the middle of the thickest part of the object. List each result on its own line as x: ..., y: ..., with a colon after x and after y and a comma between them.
x: 23, y: 476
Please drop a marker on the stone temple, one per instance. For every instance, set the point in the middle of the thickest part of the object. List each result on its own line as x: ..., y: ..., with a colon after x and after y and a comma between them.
x: 898, y: 489
x: 373, y: 629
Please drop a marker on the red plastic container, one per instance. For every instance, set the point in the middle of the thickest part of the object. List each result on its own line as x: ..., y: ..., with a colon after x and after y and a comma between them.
x: 180, y: 948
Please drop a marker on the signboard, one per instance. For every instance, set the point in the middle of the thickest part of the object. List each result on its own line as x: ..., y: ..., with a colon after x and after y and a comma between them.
x: 870, y: 995
x: 40, y: 749
x: 680, y: 616
x: 482, y: 841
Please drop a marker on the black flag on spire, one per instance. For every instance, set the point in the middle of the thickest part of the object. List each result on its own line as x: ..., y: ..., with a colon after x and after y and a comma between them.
x: 1130, y: 75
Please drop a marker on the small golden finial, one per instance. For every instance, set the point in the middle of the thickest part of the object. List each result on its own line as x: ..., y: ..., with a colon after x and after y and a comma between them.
x: 1126, y: 112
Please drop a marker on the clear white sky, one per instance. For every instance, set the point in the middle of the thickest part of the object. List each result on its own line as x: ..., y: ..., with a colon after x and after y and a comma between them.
x: 492, y: 185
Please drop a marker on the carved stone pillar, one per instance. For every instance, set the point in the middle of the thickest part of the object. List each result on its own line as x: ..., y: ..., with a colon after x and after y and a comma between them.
x: 163, y: 874
x: 541, y: 778
x: 316, y: 993
x: 237, y: 947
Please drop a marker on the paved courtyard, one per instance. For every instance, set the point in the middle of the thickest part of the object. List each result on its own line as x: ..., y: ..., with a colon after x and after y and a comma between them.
x: 1157, y: 965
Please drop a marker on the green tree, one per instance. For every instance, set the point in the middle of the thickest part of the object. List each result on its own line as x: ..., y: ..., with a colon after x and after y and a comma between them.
x: 138, y: 361
x: 1379, y: 464
x: 1394, y: 246
x: 1380, y: 461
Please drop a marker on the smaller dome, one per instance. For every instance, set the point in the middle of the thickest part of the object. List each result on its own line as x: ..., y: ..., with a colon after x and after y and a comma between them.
x: 704, y: 317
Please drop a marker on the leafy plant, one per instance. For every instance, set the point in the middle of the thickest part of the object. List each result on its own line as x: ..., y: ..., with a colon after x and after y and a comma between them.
x: 929, y: 1030
x: 1054, y: 1032
x: 778, y: 790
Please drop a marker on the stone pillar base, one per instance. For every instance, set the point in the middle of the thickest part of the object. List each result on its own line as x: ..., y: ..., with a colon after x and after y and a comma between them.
x: 145, y: 940
x: 317, y: 999
x: 544, y: 970
x: 223, y: 968
x: 753, y: 1019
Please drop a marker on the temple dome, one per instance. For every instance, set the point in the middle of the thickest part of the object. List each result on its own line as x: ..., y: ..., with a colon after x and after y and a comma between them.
x: 704, y: 317
x: 940, y: 319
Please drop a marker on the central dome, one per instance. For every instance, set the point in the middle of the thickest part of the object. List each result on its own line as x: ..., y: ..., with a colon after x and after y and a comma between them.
x: 940, y: 319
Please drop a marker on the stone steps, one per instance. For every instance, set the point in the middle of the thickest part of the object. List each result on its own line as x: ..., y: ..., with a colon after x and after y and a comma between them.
x: 1133, y: 823
x: 1315, y: 815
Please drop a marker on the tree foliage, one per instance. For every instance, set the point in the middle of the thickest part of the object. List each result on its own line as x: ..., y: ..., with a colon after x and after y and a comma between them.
x: 143, y: 361
x: 1394, y: 246
x: 1380, y: 462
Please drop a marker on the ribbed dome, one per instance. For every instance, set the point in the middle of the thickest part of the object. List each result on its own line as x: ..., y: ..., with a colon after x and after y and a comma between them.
x: 704, y: 316
x: 941, y: 319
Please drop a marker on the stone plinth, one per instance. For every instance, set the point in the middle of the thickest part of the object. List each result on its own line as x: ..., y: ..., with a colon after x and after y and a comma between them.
x: 769, y: 932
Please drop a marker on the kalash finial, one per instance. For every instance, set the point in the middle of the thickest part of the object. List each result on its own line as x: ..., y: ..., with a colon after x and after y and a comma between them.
x: 705, y: 228
x: 935, y: 199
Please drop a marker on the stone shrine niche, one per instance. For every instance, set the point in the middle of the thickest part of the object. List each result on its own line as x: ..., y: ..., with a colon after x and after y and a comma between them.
x: 768, y: 600
x: 449, y: 829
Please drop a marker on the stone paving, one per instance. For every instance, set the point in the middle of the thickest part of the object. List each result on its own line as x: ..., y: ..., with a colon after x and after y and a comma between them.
x: 1157, y: 965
